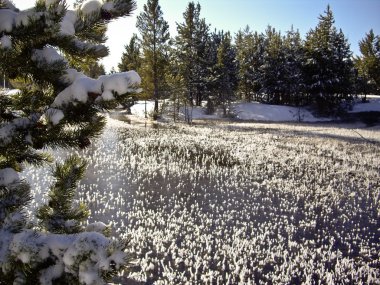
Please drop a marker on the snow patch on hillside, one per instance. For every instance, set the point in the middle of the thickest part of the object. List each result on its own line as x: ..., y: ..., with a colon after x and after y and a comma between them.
x: 255, y: 111
x: 373, y: 105
x: 274, y: 113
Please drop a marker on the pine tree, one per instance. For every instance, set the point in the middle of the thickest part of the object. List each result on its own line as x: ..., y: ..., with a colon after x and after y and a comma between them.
x: 368, y: 64
x: 131, y: 58
x: 203, y: 63
x: 225, y: 72
x: 95, y: 70
x: 58, y: 107
x: 250, y: 54
x: 293, y: 87
x: 193, y: 51
x: 215, y: 39
x: 244, y: 55
x: 176, y: 85
x: 272, y: 68
x: 328, y: 64
x: 343, y: 66
x: 155, y: 38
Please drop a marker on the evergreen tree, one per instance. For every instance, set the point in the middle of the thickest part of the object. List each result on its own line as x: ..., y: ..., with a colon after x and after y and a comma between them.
x: 58, y: 107
x: 95, y: 70
x: 244, y: 55
x: 328, y: 64
x: 60, y: 215
x: 176, y: 85
x: 343, y: 66
x: 97, y: 34
x: 250, y: 54
x: 131, y: 58
x: 203, y: 63
x: 368, y: 64
x: 212, y: 87
x: 272, y: 68
x: 293, y: 87
x: 155, y: 36
x: 193, y: 50
x: 225, y: 72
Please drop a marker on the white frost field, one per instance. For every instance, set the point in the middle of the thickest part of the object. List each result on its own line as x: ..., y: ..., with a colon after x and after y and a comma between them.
x: 238, y: 203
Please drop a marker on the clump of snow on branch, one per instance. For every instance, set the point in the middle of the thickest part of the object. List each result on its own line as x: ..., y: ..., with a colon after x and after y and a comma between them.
x: 91, y: 6
x: 82, y: 85
x: 5, y: 42
x: 11, y: 18
x: 96, y: 227
x: 67, y: 251
x: 68, y: 23
x: 107, y: 95
x: 109, y: 6
x: 54, y: 115
x: 9, y: 4
x: 8, y: 176
x: 7, y: 130
x: 23, y: 17
x: 47, y: 54
x: 7, y: 20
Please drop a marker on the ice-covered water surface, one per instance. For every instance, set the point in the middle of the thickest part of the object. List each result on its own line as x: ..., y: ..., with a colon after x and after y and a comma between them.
x: 239, y: 203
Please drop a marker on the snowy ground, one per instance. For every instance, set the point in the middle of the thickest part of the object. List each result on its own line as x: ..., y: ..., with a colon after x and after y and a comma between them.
x: 262, y: 112
x: 238, y: 203
x: 373, y: 105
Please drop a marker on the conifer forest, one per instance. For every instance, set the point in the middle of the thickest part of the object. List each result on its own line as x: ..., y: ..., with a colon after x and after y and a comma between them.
x: 207, y: 157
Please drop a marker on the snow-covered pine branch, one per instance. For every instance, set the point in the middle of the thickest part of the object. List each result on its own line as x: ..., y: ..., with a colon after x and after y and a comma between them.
x: 57, y: 106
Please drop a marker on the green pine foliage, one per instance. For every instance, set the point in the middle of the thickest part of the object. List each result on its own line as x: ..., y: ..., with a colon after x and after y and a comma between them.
x: 60, y: 215
x: 368, y: 63
x: 225, y: 72
x: 328, y: 65
x: 57, y: 107
x: 272, y: 68
x: 131, y: 58
x: 250, y: 54
x: 194, y: 52
x: 155, y: 38
x: 293, y: 87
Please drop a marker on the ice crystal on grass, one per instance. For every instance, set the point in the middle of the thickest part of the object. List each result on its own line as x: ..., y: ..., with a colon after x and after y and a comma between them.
x: 294, y: 204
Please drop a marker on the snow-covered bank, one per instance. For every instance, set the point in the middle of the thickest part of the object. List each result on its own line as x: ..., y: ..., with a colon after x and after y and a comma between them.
x: 255, y: 111
x: 274, y: 113
x: 373, y: 105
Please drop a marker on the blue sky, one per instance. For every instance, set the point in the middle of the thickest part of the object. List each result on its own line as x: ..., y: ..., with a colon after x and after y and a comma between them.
x: 354, y: 17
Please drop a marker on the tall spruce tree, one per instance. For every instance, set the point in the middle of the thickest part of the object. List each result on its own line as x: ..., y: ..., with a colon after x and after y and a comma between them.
x: 328, y: 64
x: 58, y: 107
x: 368, y: 63
x: 155, y: 38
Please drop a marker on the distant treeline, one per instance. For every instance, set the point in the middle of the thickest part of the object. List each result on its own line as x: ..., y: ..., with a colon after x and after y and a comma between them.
x: 270, y: 67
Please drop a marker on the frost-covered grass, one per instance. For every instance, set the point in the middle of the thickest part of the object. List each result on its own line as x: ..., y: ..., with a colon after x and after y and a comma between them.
x: 240, y: 203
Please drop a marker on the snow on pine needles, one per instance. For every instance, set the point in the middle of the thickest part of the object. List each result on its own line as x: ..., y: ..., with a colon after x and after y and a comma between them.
x: 238, y: 203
